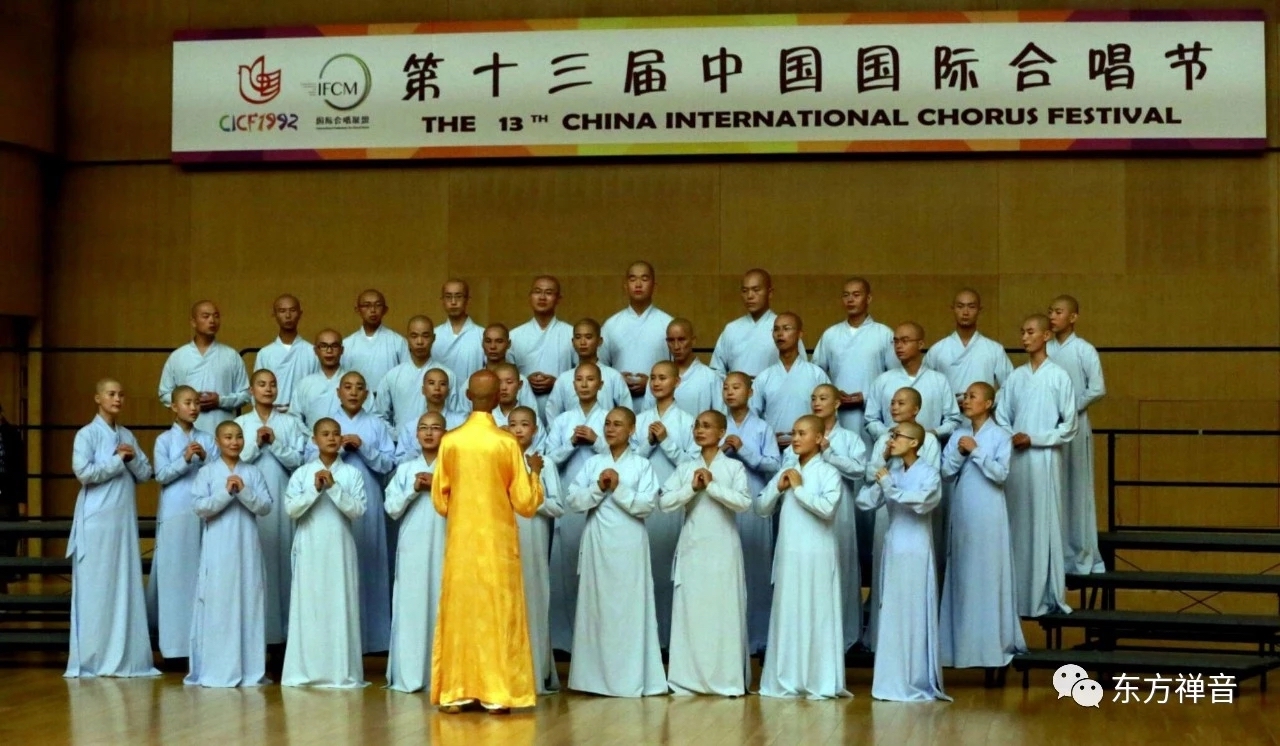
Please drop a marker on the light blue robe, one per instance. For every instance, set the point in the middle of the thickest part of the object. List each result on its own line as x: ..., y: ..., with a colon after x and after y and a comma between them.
x: 108, y: 608
x: 981, y: 360
x: 978, y: 618
x: 664, y: 528
x: 175, y: 563
x: 759, y: 454
x: 219, y: 370
x: 324, y: 611
x: 535, y: 568
x: 635, y: 342
x: 419, y: 572
x: 316, y: 397
x: 613, y: 392
x: 566, y: 542
x: 1080, y: 511
x: 407, y: 446
x: 228, y: 622
x: 462, y: 352
x: 805, y: 656
x: 938, y: 410
x: 906, y: 665
x: 373, y: 356
x: 290, y: 364
x: 615, y: 640
x: 846, y: 453
x: 709, y: 652
x: 700, y: 389
x: 400, y: 399
x: 374, y: 460
x: 854, y: 358
x: 276, y: 462
x: 1042, y: 404
x: 548, y: 351
x: 782, y: 396
x: 746, y: 346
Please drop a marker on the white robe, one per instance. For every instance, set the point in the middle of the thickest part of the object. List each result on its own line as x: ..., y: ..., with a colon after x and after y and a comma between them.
x: 419, y: 570
x: 219, y: 370
x: 228, y: 622
x: 462, y: 352
x: 906, y: 665
x: 709, y: 652
x: 805, y: 656
x: 746, y: 345
x: 373, y: 356
x: 374, y: 460
x: 324, y: 605
x: 566, y: 542
x: 1042, y: 404
x: 1080, y: 526
x: 613, y: 392
x: 759, y: 454
x: 548, y: 351
x: 535, y: 568
x: 847, y: 454
x: 854, y: 358
x: 664, y: 528
x: 938, y: 409
x: 931, y: 454
x: 276, y: 462
x: 175, y: 563
x: 400, y: 398
x: 782, y: 396
x: 290, y: 363
x: 634, y: 343
x: 615, y: 640
x: 981, y: 360
x: 700, y: 389
x: 407, y: 446
x: 978, y: 620
x: 108, y: 608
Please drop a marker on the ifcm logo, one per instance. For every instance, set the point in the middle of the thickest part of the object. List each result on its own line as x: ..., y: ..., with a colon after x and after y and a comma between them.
x: 257, y: 85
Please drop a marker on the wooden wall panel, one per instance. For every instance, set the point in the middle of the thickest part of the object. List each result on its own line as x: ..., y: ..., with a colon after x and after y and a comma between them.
x: 22, y: 216
x: 28, y: 73
x: 1062, y: 213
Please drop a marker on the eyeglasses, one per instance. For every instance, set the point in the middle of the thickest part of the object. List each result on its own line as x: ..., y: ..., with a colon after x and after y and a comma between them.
x: 900, y: 436
x: 328, y: 347
x: 905, y: 340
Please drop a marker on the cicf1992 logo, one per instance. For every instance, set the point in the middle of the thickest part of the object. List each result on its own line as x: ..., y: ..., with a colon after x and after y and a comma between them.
x: 257, y: 84
x: 344, y: 82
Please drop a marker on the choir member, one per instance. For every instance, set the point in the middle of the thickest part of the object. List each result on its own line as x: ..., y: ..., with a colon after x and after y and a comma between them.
x: 419, y: 561
x: 615, y: 641
x: 709, y: 652
x: 586, y: 345
x: 457, y: 343
x: 228, y: 622
x: 316, y: 395
x: 805, y: 655
x: 436, y: 396
x: 180, y: 452
x: 978, y: 618
x: 399, y: 400
x: 325, y: 498
x: 289, y: 356
x: 966, y: 356
x: 854, y: 352
x: 751, y: 441
x: 213, y: 369
x: 495, y: 345
x: 700, y: 386
x: 938, y: 411
x: 780, y: 394
x: 373, y: 349
x: 574, y: 437
x: 906, y: 666
x: 746, y: 344
x: 108, y: 610
x: 274, y: 443
x: 535, y: 546
x: 1038, y: 404
x: 542, y: 347
x: 635, y: 337
x: 1080, y: 360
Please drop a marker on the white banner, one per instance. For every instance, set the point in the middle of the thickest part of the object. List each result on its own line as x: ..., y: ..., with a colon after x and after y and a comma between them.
x: 731, y: 84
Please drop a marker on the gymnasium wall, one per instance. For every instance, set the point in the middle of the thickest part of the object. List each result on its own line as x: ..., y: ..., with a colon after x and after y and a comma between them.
x: 1160, y: 250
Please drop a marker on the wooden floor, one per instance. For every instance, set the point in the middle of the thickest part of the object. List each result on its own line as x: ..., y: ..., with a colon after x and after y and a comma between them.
x: 38, y: 706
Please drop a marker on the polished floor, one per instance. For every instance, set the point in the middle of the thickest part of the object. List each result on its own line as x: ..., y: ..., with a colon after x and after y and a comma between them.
x: 38, y: 706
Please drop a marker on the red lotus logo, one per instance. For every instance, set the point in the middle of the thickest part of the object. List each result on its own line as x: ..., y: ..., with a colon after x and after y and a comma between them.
x: 257, y: 86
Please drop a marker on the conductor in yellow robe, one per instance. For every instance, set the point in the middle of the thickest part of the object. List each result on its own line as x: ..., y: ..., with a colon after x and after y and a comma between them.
x: 481, y: 650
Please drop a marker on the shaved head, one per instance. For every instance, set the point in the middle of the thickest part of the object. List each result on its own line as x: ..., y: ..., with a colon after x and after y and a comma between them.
x: 795, y: 319
x: 1072, y: 304
x: 1040, y: 320
x: 864, y: 282
x: 626, y: 414
x: 353, y: 375
x: 422, y: 319
x: 506, y: 368
x: 495, y: 327
x: 911, y: 430
x: 987, y: 390
x: 910, y: 327
x: 589, y: 323
x: 482, y: 390
x: 103, y: 383
x: 759, y: 274
x: 227, y: 425
x: 200, y: 305
x: 287, y: 298
x: 460, y: 286
x: 812, y: 421
x: 648, y: 268
x: 588, y: 367
x: 373, y: 294
x: 968, y: 295
x: 911, y: 395
x: 328, y: 337
x: 681, y: 323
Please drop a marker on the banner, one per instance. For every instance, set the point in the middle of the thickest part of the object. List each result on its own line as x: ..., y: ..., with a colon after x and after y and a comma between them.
x: 1072, y: 80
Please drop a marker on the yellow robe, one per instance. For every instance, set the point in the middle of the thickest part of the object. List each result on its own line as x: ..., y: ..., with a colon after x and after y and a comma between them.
x: 481, y: 649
